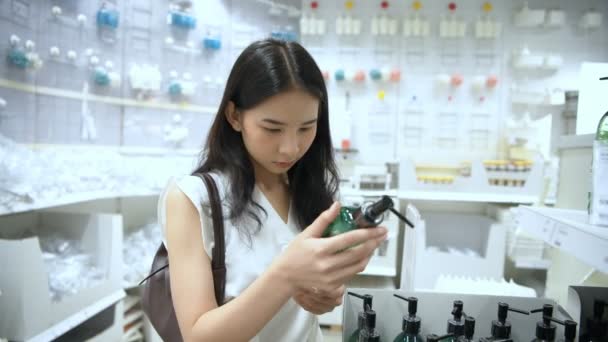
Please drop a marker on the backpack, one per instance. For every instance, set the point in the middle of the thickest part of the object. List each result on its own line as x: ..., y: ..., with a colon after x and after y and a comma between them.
x: 156, y: 297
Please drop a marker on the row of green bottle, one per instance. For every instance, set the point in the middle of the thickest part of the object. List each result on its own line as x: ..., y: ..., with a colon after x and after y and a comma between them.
x: 460, y: 328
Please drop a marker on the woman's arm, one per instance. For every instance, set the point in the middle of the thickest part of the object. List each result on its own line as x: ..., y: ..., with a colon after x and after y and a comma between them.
x: 198, y: 314
x: 309, y: 262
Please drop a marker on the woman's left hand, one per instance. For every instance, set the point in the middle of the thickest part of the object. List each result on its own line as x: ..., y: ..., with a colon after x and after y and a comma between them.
x: 320, y: 302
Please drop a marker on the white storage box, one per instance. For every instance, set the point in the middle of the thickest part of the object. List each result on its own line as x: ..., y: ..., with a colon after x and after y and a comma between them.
x: 27, y: 311
x: 455, y: 244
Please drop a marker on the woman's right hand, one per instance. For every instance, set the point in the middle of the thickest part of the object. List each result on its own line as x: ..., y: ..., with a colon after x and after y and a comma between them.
x: 324, y: 264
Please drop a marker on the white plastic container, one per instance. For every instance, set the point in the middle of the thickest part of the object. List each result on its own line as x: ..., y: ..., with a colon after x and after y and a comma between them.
x: 26, y: 309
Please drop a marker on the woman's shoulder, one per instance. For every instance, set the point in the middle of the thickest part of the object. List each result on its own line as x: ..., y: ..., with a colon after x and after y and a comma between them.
x: 194, y: 187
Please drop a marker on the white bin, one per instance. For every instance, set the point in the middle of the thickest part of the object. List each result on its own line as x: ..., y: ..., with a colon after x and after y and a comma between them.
x: 26, y: 309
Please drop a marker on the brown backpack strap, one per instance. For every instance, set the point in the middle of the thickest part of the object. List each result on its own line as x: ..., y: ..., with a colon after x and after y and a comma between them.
x: 218, y: 254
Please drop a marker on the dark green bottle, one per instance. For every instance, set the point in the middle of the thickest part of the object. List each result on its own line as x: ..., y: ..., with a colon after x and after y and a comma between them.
x: 410, y: 325
x: 366, y: 216
x: 369, y: 334
x: 501, y: 328
x: 367, y: 305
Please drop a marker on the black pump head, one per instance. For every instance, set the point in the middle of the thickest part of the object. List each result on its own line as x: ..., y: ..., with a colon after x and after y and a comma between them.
x: 378, y: 208
x: 412, y: 304
x: 501, y: 328
x: 457, y: 310
x: 569, y: 328
x: 410, y: 323
x: 367, y: 300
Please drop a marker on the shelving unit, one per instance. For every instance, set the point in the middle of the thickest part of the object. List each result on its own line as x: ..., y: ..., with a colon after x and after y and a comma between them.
x: 79, y: 317
x: 72, y: 199
x: 569, y: 231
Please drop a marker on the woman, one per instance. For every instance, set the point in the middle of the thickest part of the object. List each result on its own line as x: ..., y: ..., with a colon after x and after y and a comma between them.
x: 269, y: 150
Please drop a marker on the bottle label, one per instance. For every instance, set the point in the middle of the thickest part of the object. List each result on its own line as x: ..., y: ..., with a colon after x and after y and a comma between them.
x: 599, y: 196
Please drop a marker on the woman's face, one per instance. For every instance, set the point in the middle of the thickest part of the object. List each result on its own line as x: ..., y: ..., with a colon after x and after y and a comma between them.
x: 278, y: 131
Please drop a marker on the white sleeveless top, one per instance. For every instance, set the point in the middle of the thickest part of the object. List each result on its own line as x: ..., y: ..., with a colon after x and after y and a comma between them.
x: 246, y: 261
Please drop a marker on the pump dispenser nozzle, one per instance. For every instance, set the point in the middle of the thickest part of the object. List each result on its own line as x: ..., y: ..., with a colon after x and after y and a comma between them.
x: 569, y: 327
x: 367, y: 299
x: 367, y: 216
x: 411, y: 323
x: 456, y: 325
x: 501, y: 328
x: 545, y: 330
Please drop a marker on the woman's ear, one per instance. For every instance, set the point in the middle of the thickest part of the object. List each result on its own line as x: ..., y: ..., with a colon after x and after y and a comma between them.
x: 233, y: 117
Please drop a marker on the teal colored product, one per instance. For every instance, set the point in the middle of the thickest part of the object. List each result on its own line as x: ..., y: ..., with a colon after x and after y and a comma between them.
x: 375, y: 74
x: 410, y: 324
x: 18, y: 58
x: 212, y: 43
x: 101, y: 77
x: 175, y: 89
x: 339, y: 75
x: 290, y: 36
x: 277, y: 35
x: 183, y: 20
x: 107, y: 17
x: 366, y: 216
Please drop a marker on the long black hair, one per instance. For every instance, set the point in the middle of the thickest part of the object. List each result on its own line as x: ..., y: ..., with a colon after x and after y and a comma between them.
x: 264, y: 69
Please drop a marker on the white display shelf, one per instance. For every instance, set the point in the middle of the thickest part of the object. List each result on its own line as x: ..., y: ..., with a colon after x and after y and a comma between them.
x: 348, y: 191
x: 73, y: 199
x: 451, y: 196
x: 467, y: 197
x: 79, y: 317
x: 569, y: 231
x: 379, y: 270
x: 531, y: 264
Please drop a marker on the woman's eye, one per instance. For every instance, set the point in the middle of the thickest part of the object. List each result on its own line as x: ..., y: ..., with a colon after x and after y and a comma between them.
x: 272, y: 130
x: 305, y: 129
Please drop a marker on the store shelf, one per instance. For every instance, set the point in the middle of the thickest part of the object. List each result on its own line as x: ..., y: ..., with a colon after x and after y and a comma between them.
x: 415, y: 195
x: 347, y: 191
x: 381, y: 271
x: 74, y: 320
x: 72, y: 199
x: 569, y: 231
x: 466, y: 197
x: 119, y: 101
x: 532, y: 264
